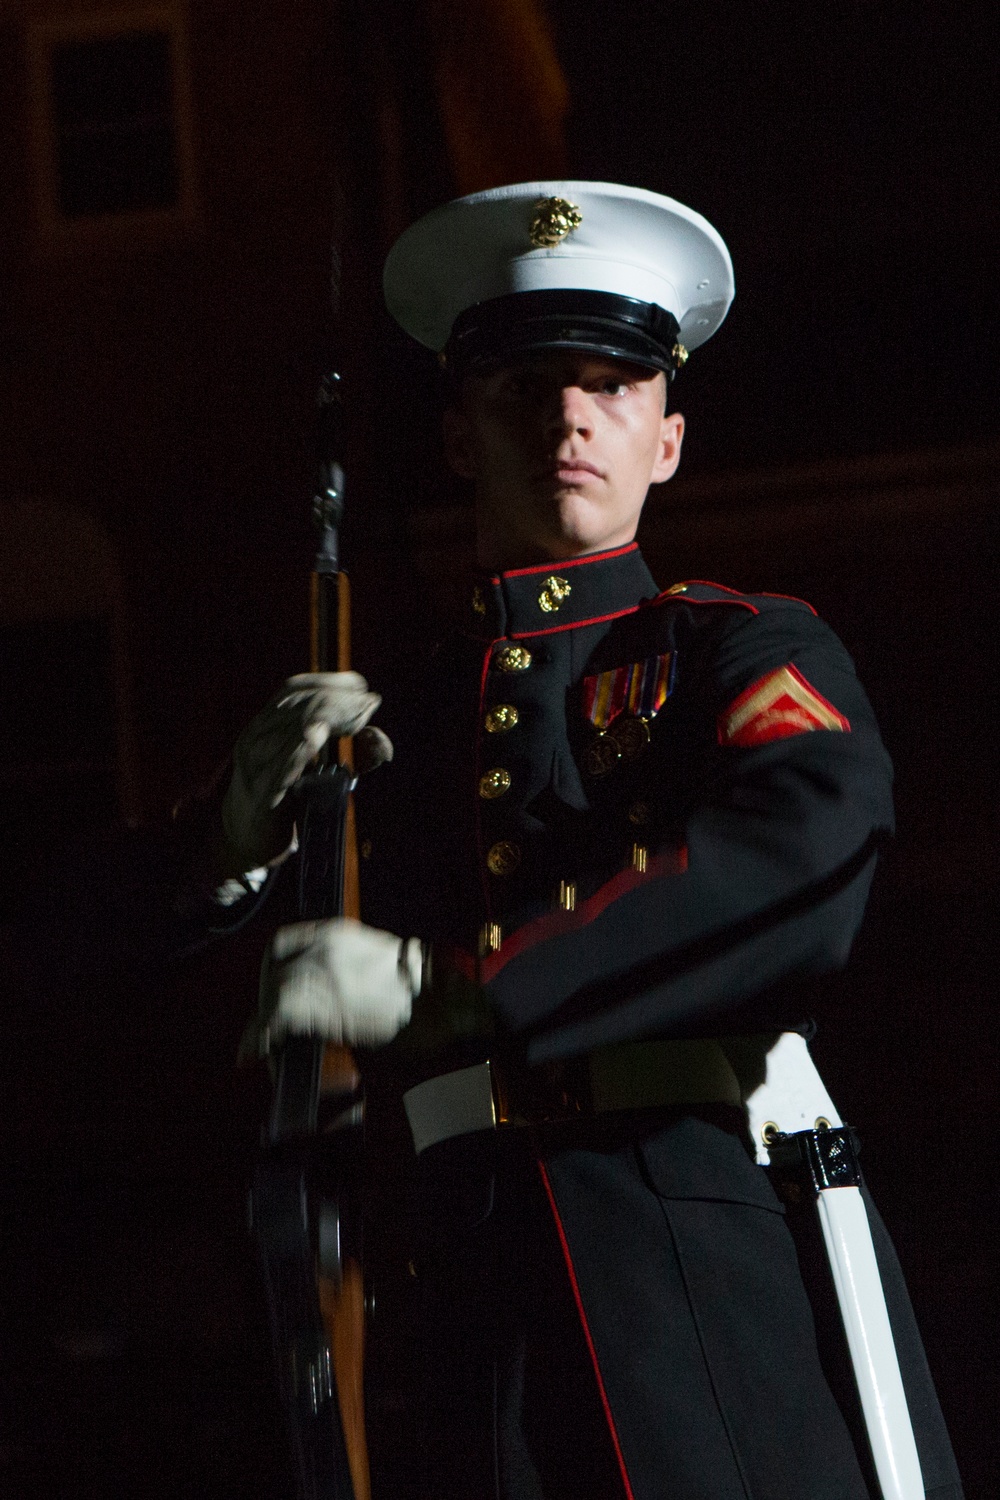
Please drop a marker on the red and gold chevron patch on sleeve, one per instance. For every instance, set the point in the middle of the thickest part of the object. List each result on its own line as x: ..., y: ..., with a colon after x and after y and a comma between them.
x: 774, y: 708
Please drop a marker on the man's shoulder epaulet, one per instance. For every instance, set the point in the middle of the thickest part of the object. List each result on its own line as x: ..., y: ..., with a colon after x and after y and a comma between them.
x: 699, y: 591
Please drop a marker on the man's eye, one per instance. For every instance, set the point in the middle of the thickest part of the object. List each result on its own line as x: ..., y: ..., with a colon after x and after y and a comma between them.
x: 611, y: 387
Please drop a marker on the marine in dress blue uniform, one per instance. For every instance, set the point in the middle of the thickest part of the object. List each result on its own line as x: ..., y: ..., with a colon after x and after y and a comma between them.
x: 629, y: 824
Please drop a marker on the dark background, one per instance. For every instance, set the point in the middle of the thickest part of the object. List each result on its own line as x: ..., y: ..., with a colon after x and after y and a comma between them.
x: 842, y: 445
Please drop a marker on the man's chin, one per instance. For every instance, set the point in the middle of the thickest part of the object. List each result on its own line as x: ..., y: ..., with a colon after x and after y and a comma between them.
x: 579, y: 526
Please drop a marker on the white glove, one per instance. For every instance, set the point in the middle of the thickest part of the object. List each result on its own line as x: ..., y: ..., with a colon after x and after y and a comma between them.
x: 335, y: 979
x: 273, y: 752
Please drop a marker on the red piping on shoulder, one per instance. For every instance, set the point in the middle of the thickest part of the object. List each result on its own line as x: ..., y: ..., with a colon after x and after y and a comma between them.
x: 792, y: 599
x: 668, y: 597
x: 738, y: 598
x: 567, y: 1257
x: 708, y: 583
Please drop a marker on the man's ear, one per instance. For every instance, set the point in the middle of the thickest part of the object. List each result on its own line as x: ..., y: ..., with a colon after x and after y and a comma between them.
x: 457, y: 443
x: 669, y: 455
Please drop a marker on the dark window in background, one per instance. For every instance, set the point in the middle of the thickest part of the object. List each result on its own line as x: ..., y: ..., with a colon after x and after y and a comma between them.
x: 113, y: 113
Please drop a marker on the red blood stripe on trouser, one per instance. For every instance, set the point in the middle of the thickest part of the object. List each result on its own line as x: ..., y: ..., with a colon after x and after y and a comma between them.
x: 564, y: 1243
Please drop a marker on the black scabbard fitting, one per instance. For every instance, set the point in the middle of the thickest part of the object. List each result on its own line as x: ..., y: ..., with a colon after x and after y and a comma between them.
x: 809, y: 1161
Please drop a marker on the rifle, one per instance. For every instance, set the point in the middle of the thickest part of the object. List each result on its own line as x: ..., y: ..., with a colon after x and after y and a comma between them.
x: 306, y: 1195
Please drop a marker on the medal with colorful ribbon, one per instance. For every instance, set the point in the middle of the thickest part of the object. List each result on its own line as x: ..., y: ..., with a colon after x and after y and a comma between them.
x: 620, y: 704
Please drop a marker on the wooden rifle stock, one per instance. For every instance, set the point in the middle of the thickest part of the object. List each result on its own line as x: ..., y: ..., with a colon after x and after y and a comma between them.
x: 307, y: 1198
x: 342, y: 1302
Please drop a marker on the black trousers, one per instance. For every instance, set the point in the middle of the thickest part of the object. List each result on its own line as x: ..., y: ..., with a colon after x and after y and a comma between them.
x: 618, y: 1310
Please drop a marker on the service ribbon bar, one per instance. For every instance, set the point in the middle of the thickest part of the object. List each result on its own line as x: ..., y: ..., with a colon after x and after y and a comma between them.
x: 642, y: 687
x: 650, y: 684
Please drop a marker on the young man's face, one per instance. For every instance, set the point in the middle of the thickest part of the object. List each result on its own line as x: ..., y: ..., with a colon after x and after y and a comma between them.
x: 561, y: 448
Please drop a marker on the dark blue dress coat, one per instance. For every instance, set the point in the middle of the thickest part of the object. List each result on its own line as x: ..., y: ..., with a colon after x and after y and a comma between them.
x: 620, y: 1305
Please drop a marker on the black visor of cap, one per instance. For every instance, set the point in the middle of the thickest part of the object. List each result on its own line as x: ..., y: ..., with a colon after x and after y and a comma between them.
x: 594, y: 322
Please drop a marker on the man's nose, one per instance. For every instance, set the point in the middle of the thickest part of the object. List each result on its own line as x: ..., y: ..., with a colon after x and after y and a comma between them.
x: 571, y: 409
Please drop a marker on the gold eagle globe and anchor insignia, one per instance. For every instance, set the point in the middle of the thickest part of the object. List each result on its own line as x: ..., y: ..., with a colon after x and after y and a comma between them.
x: 554, y: 219
x: 554, y: 591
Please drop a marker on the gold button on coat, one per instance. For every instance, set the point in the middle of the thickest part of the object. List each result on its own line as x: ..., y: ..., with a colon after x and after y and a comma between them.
x: 512, y: 659
x: 494, y: 783
x: 500, y: 718
x: 503, y: 858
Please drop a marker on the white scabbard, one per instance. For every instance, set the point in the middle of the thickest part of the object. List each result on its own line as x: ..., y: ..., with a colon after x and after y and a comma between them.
x: 848, y: 1239
x: 795, y: 1125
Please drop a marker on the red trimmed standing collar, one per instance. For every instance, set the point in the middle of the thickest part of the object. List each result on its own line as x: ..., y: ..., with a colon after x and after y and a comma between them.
x: 559, y: 596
